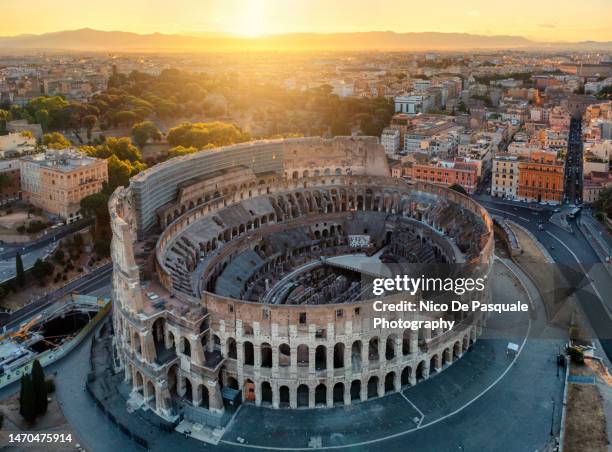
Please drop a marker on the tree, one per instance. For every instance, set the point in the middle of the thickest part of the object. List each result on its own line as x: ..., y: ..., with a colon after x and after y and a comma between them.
x: 55, y: 140
x: 89, y: 122
x: 458, y: 188
x: 40, y: 387
x: 144, y: 131
x: 27, y: 400
x: 19, y: 273
x: 42, y: 269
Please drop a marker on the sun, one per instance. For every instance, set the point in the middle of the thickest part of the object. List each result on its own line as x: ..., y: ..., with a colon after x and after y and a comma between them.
x: 251, y: 22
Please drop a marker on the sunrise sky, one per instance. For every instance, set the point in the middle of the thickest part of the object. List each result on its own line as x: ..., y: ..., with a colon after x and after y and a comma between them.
x: 543, y: 20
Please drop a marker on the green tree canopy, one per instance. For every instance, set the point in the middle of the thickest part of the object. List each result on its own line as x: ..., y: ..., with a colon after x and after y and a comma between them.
x: 55, y: 140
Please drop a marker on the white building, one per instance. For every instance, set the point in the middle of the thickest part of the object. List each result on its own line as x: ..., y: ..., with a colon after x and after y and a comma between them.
x: 504, y: 177
x: 414, y: 104
x: 15, y: 144
x: 390, y: 140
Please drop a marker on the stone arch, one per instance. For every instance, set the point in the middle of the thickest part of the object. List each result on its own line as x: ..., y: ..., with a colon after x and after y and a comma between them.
x: 139, y: 382
x: 456, y: 351
x: 284, y: 355
x: 232, y: 351
x: 283, y: 394
x: 356, y: 355
x: 151, y: 395
x: 373, y: 349
x: 303, y: 355
x: 205, y: 403
x: 249, y: 354
x: 390, y: 382
x: 390, y: 347
x: 188, y: 395
x: 434, y: 364
x: 339, y: 355
x: 185, y: 346
x: 373, y: 387
x: 321, y: 394
x: 406, y: 342
x: 405, y: 376
x: 159, y: 333
x: 266, y: 355
x: 321, y: 357
x: 420, y: 371
x: 266, y: 392
x: 338, y: 393
x: 447, y: 357
x: 303, y: 396
x: 356, y: 390
x: 232, y: 383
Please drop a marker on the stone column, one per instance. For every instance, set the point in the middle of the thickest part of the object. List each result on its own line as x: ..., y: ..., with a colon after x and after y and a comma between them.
x: 311, y: 397
x: 215, y: 401
x: 330, y: 395
x: 275, y: 396
x: 312, y: 358
x: 330, y: 359
x: 381, y: 386
x: 348, y: 364
x: 347, y: 393
x: 293, y: 396
x: 414, y: 341
x: 364, y: 389
x: 196, y: 394
x: 197, y: 352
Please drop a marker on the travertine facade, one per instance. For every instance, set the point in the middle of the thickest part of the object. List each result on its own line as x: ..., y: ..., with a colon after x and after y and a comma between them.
x: 226, y: 293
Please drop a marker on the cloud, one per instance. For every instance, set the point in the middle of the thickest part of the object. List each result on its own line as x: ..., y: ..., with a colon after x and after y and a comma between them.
x: 547, y: 26
x: 474, y: 13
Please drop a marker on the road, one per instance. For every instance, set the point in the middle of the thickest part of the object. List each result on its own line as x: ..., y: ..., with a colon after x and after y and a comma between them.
x: 576, y: 259
x: 94, y: 280
x: 8, y: 267
x: 10, y: 251
x: 573, y: 163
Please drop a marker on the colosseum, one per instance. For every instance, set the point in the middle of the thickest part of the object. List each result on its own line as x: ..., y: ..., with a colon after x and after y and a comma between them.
x: 236, y: 279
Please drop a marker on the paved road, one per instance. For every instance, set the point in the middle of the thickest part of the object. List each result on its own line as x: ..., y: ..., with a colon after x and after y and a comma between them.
x: 8, y: 266
x: 93, y: 280
x: 10, y: 251
x: 575, y: 258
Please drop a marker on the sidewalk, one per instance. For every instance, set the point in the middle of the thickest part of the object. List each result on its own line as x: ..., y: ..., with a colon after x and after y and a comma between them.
x: 599, y: 239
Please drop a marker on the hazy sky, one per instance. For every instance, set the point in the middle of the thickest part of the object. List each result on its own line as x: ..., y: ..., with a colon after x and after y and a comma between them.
x: 546, y: 20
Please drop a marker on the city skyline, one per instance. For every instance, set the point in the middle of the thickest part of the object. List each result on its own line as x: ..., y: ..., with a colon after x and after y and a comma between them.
x: 545, y: 21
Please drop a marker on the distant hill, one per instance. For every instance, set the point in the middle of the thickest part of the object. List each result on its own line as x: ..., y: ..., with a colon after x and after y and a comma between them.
x: 119, y: 41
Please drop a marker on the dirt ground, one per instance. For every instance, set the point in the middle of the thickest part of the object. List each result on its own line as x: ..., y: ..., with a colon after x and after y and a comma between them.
x: 585, y: 423
x: 52, y: 421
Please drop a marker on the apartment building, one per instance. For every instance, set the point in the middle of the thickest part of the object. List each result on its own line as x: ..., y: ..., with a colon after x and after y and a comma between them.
x: 56, y: 181
x: 9, y: 181
x: 541, y: 178
x: 504, y: 177
x: 448, y: 173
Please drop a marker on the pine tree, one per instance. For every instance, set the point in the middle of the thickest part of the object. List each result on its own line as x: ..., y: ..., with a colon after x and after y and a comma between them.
x: 20, y: 275
x: 40, y: 387
x: 27, y: 404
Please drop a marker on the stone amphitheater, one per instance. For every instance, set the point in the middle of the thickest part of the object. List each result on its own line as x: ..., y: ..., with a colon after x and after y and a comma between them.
x: 236, y: 276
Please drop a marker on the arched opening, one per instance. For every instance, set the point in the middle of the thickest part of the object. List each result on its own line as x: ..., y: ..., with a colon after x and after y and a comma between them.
x: 303, y: 356
x: 338, y: 393
x: 447, y: 357
x: 321, y: 395
x: 232, y: 383
x: 338, y: 355
x: 373, y: 349
x: 266, y: 355
x: 283, y: 393
x: 356, y: 356
x: 303, y: 395
x: 420, y: 371
x: 390, y: 382
x: 159, y: 329
x: 405, y: 376
x: 284, y: 355
x: 390, y: 348
x: 172, y: 380
x: 433, y: 364
x: 456, y: 351
x: 248, y: 390
x: 373, y: 387
x: 231, y: 348
x: 186, y: 346
x: 356, y: 390
x: 249, y: 355
x: 139, y: 383
x: 188, y: 390
x: 205, y: 398
x: 151, y: 395
x: 406, y: 342
x: 266, y: 392
x: 321, y: 357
